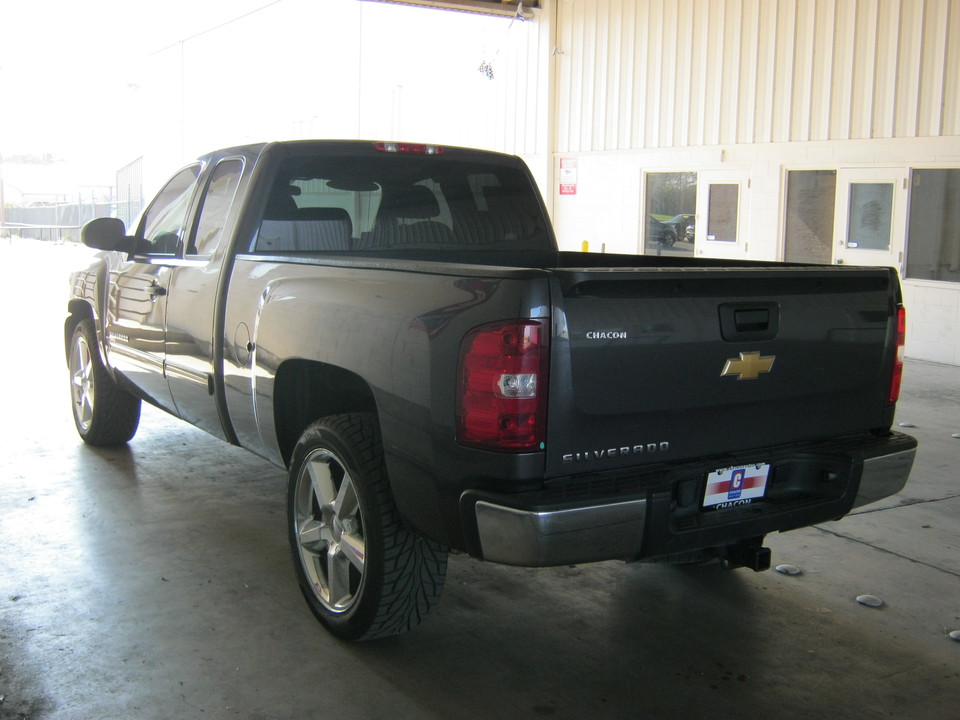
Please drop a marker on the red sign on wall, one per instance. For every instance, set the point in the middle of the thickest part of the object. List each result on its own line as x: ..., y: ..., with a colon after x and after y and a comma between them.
x: 568, y: 176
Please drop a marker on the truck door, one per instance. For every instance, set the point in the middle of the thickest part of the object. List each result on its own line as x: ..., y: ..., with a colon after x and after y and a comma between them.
x: 192, y: 302
x: 136, y: 314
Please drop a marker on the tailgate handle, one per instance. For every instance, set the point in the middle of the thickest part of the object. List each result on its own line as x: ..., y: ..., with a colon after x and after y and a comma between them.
x: 749, y: 321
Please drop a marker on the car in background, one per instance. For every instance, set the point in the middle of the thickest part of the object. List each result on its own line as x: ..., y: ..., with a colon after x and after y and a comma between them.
x: 668, y: 232
x: 679, y: 227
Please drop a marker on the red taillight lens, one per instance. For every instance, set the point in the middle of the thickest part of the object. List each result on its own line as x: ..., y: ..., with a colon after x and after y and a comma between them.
x: 501, y: 400
x: 897, y: 376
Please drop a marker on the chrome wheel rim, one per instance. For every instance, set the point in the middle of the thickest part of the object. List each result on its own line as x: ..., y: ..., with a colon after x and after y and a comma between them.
x: 81, y: 383
x: 329, y: 530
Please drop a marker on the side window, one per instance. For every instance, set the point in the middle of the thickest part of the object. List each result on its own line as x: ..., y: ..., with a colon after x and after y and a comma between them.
x: 216, y: 205
x: 933, y: 249
x: 163, y: 222
x: 811, y: 204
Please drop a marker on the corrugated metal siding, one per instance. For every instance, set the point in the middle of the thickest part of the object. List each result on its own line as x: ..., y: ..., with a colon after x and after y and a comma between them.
x: 420, y: 77
x: 636, y: 74
x: 951, y: 78
x: 520, y: 92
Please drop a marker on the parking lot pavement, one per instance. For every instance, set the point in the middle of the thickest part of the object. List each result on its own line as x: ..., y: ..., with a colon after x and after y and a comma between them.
x: 154, y: 581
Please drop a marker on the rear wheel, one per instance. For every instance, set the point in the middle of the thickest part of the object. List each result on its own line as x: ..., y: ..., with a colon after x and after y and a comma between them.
x: 103, y: 413
x: 362, y: 572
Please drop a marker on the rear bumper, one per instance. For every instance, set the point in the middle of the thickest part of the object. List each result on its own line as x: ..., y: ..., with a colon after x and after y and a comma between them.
x: 659, y: 515
x: 557, y: 537
x: 884, y: 475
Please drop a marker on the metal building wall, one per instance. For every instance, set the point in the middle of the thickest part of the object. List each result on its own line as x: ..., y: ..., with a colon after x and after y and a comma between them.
x: 643, y: 74
x: 745, y: 92
x: 350, y: 69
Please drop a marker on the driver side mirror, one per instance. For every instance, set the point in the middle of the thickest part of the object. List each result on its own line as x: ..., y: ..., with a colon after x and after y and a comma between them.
x: 107, y: 234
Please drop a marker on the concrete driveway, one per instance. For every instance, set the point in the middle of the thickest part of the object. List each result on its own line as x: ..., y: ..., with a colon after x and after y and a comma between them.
x: 154, y: 581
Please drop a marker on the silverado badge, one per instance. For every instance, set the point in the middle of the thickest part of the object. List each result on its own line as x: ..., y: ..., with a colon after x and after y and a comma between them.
x: 748, y: 366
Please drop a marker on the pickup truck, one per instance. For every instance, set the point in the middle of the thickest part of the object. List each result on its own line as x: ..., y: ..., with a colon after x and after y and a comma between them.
x: 394, y: 324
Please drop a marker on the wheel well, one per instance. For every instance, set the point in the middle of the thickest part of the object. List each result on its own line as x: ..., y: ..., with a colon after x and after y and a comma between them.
x: 305, y: 391
x: 78, y: 311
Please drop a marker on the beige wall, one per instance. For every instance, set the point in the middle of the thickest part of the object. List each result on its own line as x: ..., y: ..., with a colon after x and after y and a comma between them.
x: 749, y: 90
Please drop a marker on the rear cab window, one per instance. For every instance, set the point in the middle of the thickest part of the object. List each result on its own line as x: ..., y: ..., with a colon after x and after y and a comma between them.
x: 373, y: 203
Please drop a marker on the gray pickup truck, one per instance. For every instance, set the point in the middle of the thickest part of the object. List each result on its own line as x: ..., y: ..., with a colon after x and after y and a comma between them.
x: 395, y: 325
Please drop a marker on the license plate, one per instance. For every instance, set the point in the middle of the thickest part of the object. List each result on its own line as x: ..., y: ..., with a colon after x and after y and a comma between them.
x: 734, y: 486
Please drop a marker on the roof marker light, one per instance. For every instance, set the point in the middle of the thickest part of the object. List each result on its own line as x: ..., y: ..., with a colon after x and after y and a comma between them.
x: 409, y: 148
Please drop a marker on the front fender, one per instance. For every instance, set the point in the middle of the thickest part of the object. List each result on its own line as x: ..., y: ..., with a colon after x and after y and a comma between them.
x: 89, y: 291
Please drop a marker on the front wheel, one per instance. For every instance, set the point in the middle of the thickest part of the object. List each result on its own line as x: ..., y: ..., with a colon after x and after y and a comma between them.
x: 104, y: 413
x: 363, y: 573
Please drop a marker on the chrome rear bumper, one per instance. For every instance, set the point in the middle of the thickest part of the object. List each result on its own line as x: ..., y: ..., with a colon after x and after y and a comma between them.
x: 559, y: 537
x: 636, y: 527
x: 883, y: 476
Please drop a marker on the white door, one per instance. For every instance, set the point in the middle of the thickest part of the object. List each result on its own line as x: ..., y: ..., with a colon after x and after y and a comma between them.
x: 871, y: 217
x: 722, y: 210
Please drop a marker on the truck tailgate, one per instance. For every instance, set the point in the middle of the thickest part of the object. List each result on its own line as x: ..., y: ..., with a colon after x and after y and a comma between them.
x: 662, y: 365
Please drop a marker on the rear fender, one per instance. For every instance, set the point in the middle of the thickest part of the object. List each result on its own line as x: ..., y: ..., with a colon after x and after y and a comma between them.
x: 305, y: 391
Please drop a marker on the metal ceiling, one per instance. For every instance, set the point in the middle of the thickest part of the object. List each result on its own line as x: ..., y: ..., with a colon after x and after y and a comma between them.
x: 505, y: 8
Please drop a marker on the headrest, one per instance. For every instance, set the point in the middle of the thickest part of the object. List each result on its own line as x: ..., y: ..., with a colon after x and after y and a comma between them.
x: 413, y: 201
x: 323, y: 213
x: 280, y: 204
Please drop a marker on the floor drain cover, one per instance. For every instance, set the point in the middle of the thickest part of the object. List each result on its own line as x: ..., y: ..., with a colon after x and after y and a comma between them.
x: 788, y: 569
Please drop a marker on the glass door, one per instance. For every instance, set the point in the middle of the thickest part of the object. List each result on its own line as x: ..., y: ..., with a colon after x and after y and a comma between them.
x: 721, y: 213
x: 870, y: 225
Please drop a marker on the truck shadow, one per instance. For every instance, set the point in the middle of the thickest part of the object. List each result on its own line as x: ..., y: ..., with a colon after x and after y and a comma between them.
x: 612, y: 640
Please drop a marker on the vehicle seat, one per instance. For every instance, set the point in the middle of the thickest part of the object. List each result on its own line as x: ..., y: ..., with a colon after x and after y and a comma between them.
x: 409, y: 216
x: 307, y: 230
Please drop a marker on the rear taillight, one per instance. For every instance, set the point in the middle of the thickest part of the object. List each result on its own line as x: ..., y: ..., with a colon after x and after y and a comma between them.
x: 897, y: 376
x: 502, y: 386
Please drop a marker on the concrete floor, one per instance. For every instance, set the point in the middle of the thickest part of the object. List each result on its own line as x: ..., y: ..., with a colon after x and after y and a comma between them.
x: 154, y: 581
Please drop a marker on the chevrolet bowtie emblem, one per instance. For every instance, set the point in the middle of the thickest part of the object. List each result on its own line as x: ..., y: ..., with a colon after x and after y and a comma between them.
x: 749, y: 366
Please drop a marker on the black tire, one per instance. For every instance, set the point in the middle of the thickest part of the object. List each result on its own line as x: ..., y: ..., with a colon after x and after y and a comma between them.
x: 103, y: 413
x: 362, y: 572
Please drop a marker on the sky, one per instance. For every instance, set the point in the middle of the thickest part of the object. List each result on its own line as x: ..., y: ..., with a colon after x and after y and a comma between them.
x: 68, y: 74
